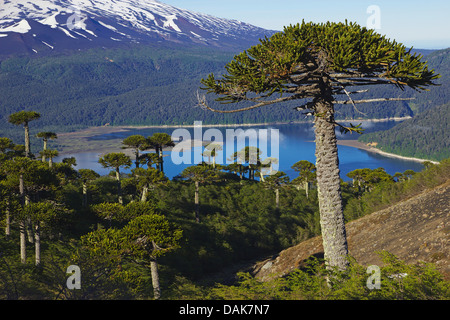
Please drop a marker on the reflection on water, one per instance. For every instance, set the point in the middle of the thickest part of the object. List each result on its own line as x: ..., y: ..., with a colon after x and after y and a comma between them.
x: 295, y: 143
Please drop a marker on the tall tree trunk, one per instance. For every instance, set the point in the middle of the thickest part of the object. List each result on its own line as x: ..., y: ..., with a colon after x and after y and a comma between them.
x: 22, y: 224
x: 30, y: 231
x: 119, y: 188
x: 261, y: 176
x: 45, y: 148
x: 27, y: 139
x: 8, y: 219
x: 197, y: 205
x: 28, y: 221
x: 23, y: 242
x: 307, y: 188
x: 328, y: 182
x: 37, y: 243
x: 144, y: 194
x: 161, y: 166
x: 85, y: 196
x: 277, y: 197
x: 155, y: 277
x: 136, y: 162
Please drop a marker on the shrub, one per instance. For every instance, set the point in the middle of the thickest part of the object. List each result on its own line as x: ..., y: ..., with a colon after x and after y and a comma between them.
x: 399, y: 281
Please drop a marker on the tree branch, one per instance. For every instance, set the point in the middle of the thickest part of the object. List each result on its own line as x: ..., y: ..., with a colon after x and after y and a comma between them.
x: 351, y: 81
x: 339, y: 91
x: 372, y: 100
x: 353, y: 103
x: 203, y: 104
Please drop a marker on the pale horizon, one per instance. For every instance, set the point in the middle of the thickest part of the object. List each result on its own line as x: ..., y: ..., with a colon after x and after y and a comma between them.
x: 408, y: 22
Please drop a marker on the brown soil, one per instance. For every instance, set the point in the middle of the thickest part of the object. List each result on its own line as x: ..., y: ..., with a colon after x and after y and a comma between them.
x: 416, y: 229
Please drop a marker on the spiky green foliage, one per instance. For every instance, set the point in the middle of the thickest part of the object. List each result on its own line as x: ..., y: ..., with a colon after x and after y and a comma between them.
x: 115, y: 160
x: 399, y: 281
x: 287, y: 63
x: 136, y: 142
x: 318, y: 62
x: 200, y: 173
x: 23, y: 117
x: 45, y: 135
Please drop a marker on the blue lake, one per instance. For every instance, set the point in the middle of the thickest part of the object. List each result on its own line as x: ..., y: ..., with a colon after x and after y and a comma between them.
x: 294, y: 143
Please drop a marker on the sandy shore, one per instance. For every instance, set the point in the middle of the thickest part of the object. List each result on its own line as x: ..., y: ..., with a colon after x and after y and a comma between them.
x: 363, y: 146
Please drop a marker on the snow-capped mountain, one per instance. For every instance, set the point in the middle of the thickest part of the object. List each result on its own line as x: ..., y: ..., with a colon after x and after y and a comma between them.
x: 39, y: 26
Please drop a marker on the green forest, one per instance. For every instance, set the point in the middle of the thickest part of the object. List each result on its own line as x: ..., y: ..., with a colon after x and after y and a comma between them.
x: 137, y: 235
x: 426, y: 136
x: 149, y: 85
x: 143, y: 236
x: 154, y: 85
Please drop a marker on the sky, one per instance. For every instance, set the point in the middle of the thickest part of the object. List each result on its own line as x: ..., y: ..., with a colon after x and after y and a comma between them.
x: 423, y: 24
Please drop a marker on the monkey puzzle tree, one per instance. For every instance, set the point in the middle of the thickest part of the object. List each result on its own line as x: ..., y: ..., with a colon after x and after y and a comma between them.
x: 316, y: 62
x: 148, y: 178
x: 5, y: 144
x: 9, y: 150
x: 42, y: 214
x: 24, y: 118
x: 366, y: 178
x: 70, y: 161
x: 15, y: 170
x: 148, y: 237
x: 50, y: 154
x: 200, y: 173
x: 211, y: 151
x: 275, y: 182
x: 306, y: 173
x: 30, y: 178
x: 159, y: 141
x: 116, y: 160
x: 136, y: 142
x: 87, y: 175
x: 45, y: 137
x: 149, y: 159
x: 409, y: 173
x: 250, y: 155
x: 237, y: 168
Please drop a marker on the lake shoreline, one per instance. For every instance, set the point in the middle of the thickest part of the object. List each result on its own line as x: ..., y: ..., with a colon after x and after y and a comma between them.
x: 108, y: 128
x: 78, y: 141
x: 363, y: 146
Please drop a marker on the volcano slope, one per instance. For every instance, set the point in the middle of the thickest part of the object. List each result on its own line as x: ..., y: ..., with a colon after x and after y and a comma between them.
x: 416, y: 229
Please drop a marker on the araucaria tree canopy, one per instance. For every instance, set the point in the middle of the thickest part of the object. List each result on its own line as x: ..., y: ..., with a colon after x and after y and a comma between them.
x: 317, y: 62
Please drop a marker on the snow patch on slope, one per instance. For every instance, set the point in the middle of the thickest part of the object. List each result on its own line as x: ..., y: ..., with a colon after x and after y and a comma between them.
x: 51, y: 21
x: 22, y: 27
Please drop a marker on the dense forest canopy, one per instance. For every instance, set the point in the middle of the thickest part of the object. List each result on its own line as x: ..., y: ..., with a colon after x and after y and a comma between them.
x: 426, y: 136
x: 140, y: 235
x: 82, y: 223
x: 151, y: 85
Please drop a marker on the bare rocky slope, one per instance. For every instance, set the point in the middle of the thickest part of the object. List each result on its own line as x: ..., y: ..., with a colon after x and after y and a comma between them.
x: 416, y: 229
